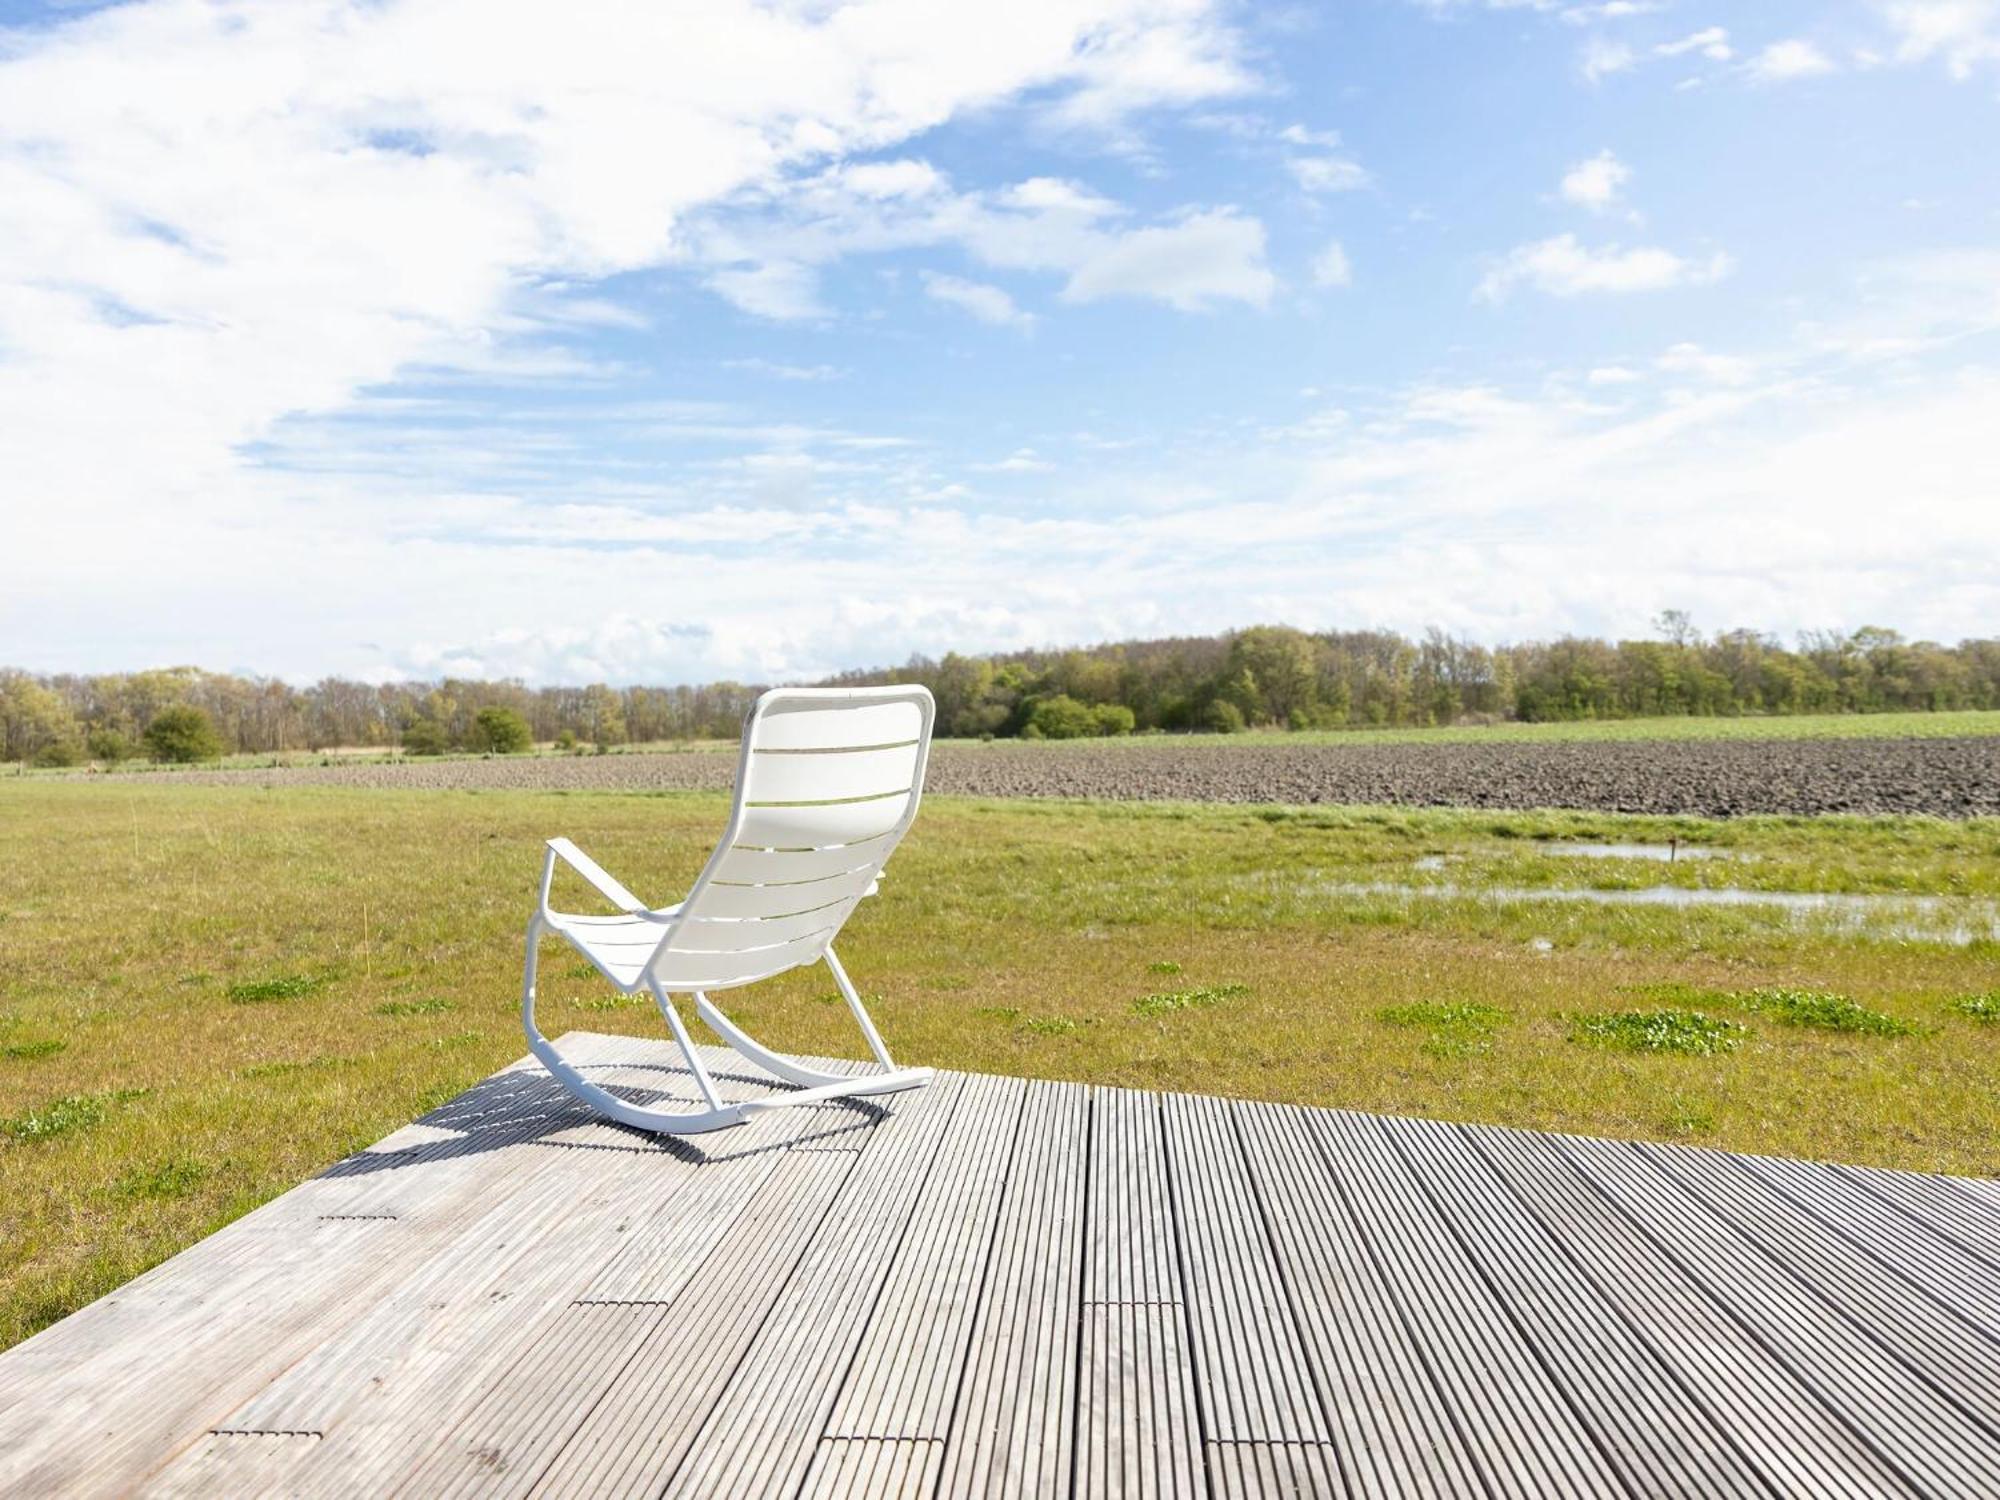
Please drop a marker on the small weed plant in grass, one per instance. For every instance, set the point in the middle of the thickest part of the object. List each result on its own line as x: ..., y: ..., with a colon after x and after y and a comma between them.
x: 1984, y: 1007
x: 1690, y: 1033
x: 1195, y: 999
x: 270, y: 991
x: 1164, y: 966
x: 1049, y: 1025
x: 1822, y: 1010
x: 64, y: 1116
x: 25, y: 1051
x: 998, y: 1012
x: 170, y: 1179
x: 433, y: 1005
x: 609, y: 1002
x: 1457, y: 1028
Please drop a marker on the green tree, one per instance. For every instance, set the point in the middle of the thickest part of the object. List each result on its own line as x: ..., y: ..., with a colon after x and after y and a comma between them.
x: 425, y: 737
x: 182, y: 735
x: 1278, y: 666
x: 1062, y: 718
x: 1113, y: 718
x: 1222, y: 717
x: 501, y: 731
x: 110, y: 746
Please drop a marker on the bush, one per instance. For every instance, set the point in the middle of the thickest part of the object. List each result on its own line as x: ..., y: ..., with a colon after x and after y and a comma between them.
x: 566, y: 740
x: 501, y: 731
x: 1114, y: 718
x: 182, y: 735
x: 59, y: 753
x: 1063, y: 718
x: 111, y: 747
x: 1222, y: 717
x: 425, y: 737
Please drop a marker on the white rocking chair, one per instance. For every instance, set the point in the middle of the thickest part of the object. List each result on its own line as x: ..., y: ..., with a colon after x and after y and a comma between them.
x: 826, y: 786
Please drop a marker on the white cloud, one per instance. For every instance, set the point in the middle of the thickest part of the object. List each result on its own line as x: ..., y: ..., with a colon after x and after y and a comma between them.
x: 1602, y: 57
x: 1721, y: 369
x: 213, y: 219
x: 1328, y: 174
x: 1613, y: 375
x: 1331, y: 267
x: 779, y: 370
x: 989, y: 304
x: 1792, y: 58
x: 1962, y: 33
x: 1045, y: 225
x: 1020, y: 461
x: 1206, y: 258
x: 1607, y: 10
x: 1316, y: 163
x: 1596, y: 182
x: 1712, y: 42
x: 1564, y: 267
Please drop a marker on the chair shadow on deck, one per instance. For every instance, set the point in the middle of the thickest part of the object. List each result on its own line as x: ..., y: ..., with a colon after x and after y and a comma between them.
x: 526, y: 1106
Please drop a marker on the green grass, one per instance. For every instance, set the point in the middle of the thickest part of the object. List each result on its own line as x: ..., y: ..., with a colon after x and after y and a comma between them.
x: 60, y: 1117
x: 1200, y: 997
x: 1457, y: 1028
x: 267, y: 991
x: 26, y: 1051
x: 434, y: 1005
x: 1984, y: 1007
x: 1687, y: 1033
x: 1012, y: 938
x: 1822, y: 1009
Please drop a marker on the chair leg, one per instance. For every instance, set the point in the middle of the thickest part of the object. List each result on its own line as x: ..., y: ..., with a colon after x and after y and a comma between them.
x: 861, y: 1019
x: 716, y: 1117
x: 888, y: 1081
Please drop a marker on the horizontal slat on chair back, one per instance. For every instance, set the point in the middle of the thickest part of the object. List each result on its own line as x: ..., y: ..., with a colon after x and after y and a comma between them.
x: 728, y: 900
x: 718, y: 971
x: 743, y: 934
x: 809, y: 725
x: 818, y: 827
x: 747, y: 865
x: 829, y: 783
x: 829, y: 775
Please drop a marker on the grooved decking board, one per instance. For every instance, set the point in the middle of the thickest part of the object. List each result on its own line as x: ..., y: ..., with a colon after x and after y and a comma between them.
x: 1012, y: 1423
x: 759, y: 1436
x: 1649, y: 1426
x: 992, y: 1287
x: 1895, y: 1408
x: 1391, y: 1428
x: 1527, y: 1439
x: 1137, y: 1429
x: 1247, y: 1348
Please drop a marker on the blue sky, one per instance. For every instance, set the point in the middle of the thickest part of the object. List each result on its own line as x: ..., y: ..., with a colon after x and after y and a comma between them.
x: 718, y: 340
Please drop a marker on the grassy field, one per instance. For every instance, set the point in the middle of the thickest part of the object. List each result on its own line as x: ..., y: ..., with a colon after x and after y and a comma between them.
x: 1952, y: 725
x: 206, y: 994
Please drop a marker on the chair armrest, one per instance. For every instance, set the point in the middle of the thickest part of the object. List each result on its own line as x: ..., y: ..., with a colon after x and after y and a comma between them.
x: 591, y: 871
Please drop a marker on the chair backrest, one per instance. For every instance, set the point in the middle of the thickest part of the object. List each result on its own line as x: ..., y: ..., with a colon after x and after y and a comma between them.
x: 827, y: 783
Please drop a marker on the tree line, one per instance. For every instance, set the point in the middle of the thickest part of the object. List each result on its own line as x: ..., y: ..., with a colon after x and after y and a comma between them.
x: 1264, y: 676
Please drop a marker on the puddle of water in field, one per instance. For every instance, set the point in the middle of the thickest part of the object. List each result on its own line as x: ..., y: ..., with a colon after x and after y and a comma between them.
x: 1955, y: 920
x: 1664, y: 853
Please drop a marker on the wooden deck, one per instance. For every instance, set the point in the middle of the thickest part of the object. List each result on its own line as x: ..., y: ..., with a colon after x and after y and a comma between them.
x: 998, y: 1287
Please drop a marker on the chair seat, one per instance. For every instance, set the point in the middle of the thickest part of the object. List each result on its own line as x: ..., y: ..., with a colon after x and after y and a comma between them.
x: 619, y: 945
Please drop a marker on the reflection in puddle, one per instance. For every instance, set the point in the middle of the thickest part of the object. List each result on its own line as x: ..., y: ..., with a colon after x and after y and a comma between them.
x: 1956, y: 920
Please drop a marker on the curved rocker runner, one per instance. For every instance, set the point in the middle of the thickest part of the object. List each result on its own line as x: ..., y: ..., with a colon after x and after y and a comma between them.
x: 827, y: 784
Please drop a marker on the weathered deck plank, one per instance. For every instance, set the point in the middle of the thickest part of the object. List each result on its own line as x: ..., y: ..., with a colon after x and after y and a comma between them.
x: 992, y: 1287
